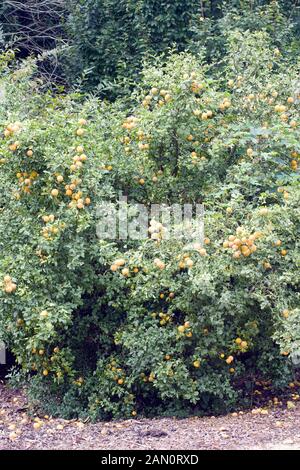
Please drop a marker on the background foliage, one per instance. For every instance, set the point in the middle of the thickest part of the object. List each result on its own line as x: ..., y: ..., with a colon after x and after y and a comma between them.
x: 101, y: 45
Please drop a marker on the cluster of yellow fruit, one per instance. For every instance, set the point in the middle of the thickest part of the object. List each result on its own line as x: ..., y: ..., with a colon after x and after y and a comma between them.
x: 130, y: 122
x: 48, y: 231
x: 115, y: 369
x: 142, y: 145
x: 140, y: 136
x: 40, y: 352
x: 278, y: 244
x: 163, y: 97
x: 232, y: 84
x: 106, y: 167
x: 79, y: 381
x: 14, y: 146
x: 185, y: 329
x: 8, y: 285
x: 280, y: 108
x: 80, y: 131
x: 120, y: 263
x: 196, y: 87
x: 185, y: 261
x: 242, y: 345
x: 151, y: 377
x: 164, y: 318
x: 242, y: 244
x: 196, y: 158
x: 157, y: 230
x: 78, y: 160
x: 225, y: 104
x: 204, y: 115
x: 25, y: 180
x: 170, y: 296
x: 286, y: 194
x: 199, y: 248
x: 12, y: 129
x: 119, y: 375
x: 48, y: 218
x: 228, y: 361
x: 77, y: 199
x: 159, y: 263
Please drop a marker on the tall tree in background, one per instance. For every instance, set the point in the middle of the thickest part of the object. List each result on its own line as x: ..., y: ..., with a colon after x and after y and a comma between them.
x: 99, y: 45
x: 109, y: 39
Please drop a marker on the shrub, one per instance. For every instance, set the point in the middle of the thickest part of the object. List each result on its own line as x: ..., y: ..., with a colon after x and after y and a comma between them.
x: 111, y: 328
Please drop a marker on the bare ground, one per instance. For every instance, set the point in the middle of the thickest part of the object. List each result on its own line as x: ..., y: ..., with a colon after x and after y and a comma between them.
x: 274, y: 428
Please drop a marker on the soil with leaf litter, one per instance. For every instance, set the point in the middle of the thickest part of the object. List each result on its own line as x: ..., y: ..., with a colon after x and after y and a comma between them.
x: 275, y: 427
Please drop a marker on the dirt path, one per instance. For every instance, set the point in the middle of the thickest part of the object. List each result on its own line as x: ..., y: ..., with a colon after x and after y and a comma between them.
x: 276, y: 428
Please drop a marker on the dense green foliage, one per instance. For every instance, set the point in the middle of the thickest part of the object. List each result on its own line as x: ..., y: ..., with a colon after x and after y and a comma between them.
x: 100, y: 45
x: 114, y: 328
x: 110, y: 43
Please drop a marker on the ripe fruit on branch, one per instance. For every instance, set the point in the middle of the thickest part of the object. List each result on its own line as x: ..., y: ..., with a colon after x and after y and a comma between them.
x: 44, y: 314
x: 125, y: 272
x: 159, y: 263
x: 285, y: 313
x: 241, y: 246
x: 9, y: 286
x: 80, y: 132
x: 119, y: 262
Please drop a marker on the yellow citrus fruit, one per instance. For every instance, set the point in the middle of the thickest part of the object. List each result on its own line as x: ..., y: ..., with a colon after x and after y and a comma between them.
x: 80, y: 132
x: 229, y: 359
x: 285, y: 313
